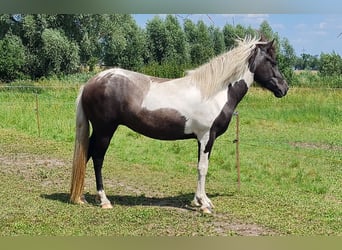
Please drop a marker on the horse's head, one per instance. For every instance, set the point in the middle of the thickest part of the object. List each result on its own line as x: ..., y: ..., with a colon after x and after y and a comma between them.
x: 264, y: 66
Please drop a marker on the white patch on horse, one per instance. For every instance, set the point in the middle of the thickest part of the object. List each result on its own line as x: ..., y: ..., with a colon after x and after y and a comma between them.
x: 186, y: 99
x: 205, y: 113
x: 201, y: 199
x: 247, y: 76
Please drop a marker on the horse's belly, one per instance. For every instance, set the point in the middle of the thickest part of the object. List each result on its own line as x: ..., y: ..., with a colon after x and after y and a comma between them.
x: 163, y: 124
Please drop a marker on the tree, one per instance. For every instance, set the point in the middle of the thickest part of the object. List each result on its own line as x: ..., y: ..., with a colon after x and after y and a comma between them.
x: 266, y: 30
x: 6, y: 24
x: 85, y: 30
x: 286, y: 59
x: 58, y: 53
x: 176, y: 49
x: 123, y: 42
x: 113, y: 40
x: 200, y: 43
x: 232, y: 33
x: 229, y: 36
x: 134, y: 51
x: 12, y: 57
x: 217, y: 39
x: 156, y: 40
x: 330, y: 64
x: 307, y: 62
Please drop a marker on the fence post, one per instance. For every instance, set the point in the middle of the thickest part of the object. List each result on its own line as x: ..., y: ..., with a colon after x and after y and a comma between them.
x: 237, y: 153
x: 37, y: 114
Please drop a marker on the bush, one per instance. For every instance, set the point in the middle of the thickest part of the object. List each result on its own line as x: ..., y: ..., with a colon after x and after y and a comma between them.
x: 59, y: 54
x: 12, y: 58
x: 330, y: 64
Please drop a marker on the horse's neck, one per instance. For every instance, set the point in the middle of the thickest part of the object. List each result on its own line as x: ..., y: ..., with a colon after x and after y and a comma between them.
x: 248, y: 77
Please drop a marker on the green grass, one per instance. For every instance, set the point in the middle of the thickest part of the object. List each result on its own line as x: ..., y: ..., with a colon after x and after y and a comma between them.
x: 291, y: 171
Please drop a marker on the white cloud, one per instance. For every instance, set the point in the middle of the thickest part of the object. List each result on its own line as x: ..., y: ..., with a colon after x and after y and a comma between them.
x: 322, y: 25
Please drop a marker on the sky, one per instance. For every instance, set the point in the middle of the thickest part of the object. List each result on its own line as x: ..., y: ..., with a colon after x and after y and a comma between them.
x: 308, y: 33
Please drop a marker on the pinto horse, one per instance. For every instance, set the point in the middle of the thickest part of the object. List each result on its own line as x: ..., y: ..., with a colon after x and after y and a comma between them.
x: 199, y: 106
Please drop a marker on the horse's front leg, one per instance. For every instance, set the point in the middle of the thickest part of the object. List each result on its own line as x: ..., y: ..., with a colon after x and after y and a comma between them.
x: 201, y: 199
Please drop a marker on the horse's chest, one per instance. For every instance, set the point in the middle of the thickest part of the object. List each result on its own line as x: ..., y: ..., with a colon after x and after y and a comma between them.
x: 206, y: 113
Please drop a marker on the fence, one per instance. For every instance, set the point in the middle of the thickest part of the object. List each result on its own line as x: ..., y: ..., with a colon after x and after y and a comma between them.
x: 48, y: 111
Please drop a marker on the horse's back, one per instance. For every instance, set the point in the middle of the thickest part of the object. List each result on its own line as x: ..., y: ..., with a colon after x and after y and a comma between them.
x: 109, y: 93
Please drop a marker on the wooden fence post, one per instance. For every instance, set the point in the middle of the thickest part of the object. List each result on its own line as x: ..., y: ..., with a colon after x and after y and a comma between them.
x: 237, y: 153
x: 37, y: 114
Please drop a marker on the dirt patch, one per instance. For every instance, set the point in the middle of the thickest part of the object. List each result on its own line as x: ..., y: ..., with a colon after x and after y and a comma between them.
x: 28, y: 166
x: 23, y: 159
x: 224, y: 225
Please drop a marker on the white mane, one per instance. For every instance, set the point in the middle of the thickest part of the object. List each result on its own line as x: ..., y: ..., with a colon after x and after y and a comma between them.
x: 224, y: 69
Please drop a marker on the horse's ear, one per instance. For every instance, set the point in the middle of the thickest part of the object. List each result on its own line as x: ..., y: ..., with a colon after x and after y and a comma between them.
x: 270, y: 44
x: 267, y: 46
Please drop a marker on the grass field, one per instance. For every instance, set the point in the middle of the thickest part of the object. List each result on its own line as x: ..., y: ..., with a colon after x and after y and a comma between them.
x: 291, y: 170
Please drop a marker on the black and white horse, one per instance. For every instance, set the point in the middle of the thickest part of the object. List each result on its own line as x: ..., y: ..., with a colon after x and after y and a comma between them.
x: 199, y: 105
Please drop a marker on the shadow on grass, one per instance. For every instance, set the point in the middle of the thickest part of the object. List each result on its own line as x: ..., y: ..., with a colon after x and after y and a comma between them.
x: 179, y: 201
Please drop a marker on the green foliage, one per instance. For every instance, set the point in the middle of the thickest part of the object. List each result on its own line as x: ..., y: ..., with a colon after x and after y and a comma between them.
x: 286, y: 59
x: 218, y: 40
x: 156, y: 39
x: 168, y: 69
x: 330, y: 64
x: 133, y: 55
x: 12, y: 58
x: 201, y: 47
x: 307, y: 62
x: 176, y: 47
x: 58, y: 53
x: 42, y: 45
x: 267, y: 31
x: 231, y: 33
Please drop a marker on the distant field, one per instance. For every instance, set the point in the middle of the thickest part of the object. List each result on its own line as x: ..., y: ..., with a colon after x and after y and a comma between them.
x: 291, y: 170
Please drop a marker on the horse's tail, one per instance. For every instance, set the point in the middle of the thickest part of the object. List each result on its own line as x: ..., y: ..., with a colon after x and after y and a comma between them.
x: 80, y: 152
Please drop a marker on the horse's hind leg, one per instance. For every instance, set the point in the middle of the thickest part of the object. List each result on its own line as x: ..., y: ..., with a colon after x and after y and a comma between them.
x: 98, y: 145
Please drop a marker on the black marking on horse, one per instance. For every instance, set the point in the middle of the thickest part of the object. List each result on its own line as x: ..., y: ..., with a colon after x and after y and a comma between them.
x: 235, y: 93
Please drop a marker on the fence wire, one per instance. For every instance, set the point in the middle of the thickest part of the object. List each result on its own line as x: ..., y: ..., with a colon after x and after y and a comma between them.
x: 54, y: 99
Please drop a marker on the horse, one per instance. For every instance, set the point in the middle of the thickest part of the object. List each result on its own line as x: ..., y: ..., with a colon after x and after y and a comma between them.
x: 197, y: 106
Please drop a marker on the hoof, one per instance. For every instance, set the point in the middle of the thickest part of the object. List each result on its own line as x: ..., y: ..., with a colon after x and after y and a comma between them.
x: 80, y: 201
x: 206, y: 210
x: 195, y: 203
x: 107, y: 206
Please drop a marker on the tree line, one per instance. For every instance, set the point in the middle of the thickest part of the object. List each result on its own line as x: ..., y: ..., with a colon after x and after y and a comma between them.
x: 37, y: 45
